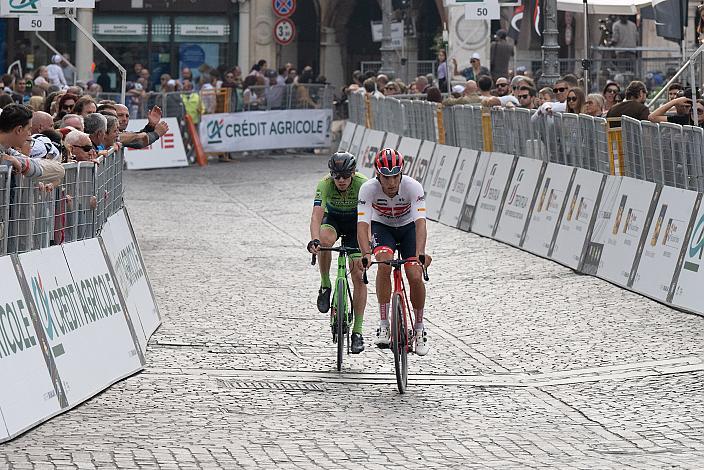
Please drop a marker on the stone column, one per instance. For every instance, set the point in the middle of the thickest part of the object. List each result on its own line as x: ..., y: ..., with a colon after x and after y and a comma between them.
x: 243, y: 37
x: 331, y: 57
x: 551, y: 64
x: 84, y: 48
x: 389, y: 62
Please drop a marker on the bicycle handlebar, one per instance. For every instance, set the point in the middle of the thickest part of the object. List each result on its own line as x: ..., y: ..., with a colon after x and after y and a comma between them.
x: 396, y: 263
x: 340, y: 249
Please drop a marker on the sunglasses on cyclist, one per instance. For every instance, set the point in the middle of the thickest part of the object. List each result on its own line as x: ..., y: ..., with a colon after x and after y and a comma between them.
x: 341, y: 176
x: 559, y: 90
x: 390, y: 171
x: 85, y: 148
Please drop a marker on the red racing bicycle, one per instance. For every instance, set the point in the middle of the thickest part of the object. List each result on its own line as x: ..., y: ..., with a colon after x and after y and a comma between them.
x: 402, y: 337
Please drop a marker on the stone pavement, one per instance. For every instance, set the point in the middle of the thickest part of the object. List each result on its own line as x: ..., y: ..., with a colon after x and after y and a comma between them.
x: 531, y: 366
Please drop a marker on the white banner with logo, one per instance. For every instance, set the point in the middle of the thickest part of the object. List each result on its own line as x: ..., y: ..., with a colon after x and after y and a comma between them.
x: 514, y: 216
x: 475, y: 189
x: 83, y: 320
x: 260, y: 130
x: 622, y: 232
x: 371, y: 144
x: 548, y: 208
x: 357, y: 139
x: 459, y: 187
x: 27, y: 395
x: 419, y: 167
x: 579, y: 213
x: 445, y: 158
x: 126, y: 260
x: 409, y: 148
x: 167, y: 152
x: 664, y: 241
x: 347, y: 136
x: 492, y: 193
x: 687, y: 291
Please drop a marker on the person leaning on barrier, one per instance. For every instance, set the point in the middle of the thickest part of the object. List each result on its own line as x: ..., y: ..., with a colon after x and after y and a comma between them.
x: 96, y: 126
x: 685, y: 114
x: 72, y: 120
x: 15, y: 131
x: 112, y: 133
x: 81, y: 147
x: 152, y: 132
x: 633, y: 106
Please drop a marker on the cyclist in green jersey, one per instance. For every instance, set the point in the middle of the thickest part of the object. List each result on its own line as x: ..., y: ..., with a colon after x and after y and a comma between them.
x: 334, y: 216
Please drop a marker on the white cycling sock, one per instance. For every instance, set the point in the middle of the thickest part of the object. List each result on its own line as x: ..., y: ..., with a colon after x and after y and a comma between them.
x: 384, y: 313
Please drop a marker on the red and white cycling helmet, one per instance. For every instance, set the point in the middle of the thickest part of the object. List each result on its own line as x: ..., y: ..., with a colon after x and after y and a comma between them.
x: 388, y: 162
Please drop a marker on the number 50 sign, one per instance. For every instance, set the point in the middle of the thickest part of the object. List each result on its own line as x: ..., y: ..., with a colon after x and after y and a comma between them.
x: 481, y: 10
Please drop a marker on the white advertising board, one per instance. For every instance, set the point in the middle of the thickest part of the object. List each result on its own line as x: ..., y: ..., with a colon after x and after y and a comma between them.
x: 392, y: 141
x: 492, y: 194
x: 548, y: 208
x: 459, y: 187
x: 622, y: 232
x: 475, y: 189
x: 445, y: 158
x: 357, y: 139
x: 409, y: 148
x: 687, y: 287
x: 347, y: 135
x: 82, y: 317
x: 580, y: 213
x: 663, y: 243
x: 516, y: 210
x: 257, y: 130
x: 371, y: 144
x: 420, y: 166
x: 167, y: 152
x: 27, y: 395
x: 126, y: 260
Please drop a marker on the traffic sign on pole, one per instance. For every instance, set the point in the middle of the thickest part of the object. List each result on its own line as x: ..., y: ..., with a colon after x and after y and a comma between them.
x: 37, y: 23
x: 284, y: 31
x: 284, y: 8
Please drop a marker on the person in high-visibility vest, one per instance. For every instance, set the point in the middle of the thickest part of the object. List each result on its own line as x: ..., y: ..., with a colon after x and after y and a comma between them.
x: 192, y: 102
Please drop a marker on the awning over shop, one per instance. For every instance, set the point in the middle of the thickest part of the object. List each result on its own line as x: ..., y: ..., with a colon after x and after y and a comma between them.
x: 604, y: 7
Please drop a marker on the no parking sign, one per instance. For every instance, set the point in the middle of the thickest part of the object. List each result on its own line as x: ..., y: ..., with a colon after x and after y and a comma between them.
x: 284, y: 8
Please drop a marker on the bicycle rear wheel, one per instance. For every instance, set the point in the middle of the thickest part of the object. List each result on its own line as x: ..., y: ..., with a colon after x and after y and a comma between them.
x: 399, y: 343
x: 340, y: 320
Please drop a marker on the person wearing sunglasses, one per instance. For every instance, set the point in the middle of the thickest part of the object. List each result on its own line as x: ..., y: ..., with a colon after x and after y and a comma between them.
x: 502, y: 87
x: 81, y: 147
x: 335, y: 216
x: 575, y: 101
x: 561, y: 88
x: 609, y: 93
x: 392, y: 206
x: 526, y: 97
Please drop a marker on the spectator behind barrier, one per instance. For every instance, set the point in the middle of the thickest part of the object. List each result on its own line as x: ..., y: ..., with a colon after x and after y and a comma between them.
x: 526, y: 97
x: 111, y: 135
x: 81, y: 146
x: 633, y: 106
x: 434, y: 95
x: 85, y: 106
x: 609, y: 93
x: 96, y: 126
x: 545, y: 95
x: 594, y: 105
x: 72, y: 120
x: 575, y: 101
x: 41, y: 121
x: 485, y: 85
x: 15, y: 131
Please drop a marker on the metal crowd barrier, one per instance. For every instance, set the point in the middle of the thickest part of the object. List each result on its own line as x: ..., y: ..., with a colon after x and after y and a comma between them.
x: 36, y: 215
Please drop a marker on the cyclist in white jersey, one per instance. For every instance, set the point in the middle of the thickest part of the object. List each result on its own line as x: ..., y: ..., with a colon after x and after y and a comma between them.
x: 393, y: 206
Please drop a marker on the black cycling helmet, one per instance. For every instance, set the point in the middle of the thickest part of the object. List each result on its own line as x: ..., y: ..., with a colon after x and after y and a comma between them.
x: 342, y: 163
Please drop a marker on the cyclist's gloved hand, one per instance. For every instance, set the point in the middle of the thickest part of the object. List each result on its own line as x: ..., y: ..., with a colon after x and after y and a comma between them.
x: 366, y: 260
x: 313, y: 246
x: 424, y: 259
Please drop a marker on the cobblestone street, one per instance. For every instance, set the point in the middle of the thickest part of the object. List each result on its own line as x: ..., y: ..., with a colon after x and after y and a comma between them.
x: 531, y: 365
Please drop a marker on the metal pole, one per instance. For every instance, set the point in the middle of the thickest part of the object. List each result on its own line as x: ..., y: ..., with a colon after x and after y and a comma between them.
x: 586, y: 63
x: 551, y: 64
x: 387, y: 50
x: 120, y: 68
x: 53, y: 49
x: 677, y: 75
x: 693, y: 85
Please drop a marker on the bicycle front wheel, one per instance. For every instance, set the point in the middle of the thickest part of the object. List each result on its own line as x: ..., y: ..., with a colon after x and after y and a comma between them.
x: 340, y: 319
x: 399, y: 343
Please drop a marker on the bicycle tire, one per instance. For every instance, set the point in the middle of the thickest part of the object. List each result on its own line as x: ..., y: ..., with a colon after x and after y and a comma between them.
x: 399, y: 343
x: 340, y: 320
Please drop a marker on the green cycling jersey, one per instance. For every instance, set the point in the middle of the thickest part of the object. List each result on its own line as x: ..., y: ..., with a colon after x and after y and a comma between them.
x: 339, y: 204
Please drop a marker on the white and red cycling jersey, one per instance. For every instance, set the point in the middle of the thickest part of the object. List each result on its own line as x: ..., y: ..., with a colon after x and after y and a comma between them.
x: 407, y: 206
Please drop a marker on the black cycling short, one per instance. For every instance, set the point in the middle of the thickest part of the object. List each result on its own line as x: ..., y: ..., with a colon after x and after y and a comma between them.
x: 347, y: 229
x: 385, y: 238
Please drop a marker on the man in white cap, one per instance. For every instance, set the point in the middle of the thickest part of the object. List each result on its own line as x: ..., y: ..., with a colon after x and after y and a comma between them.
x: 56, y: 73
x: 475, y: 69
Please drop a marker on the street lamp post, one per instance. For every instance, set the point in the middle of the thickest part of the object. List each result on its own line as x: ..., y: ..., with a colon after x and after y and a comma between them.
x: 388, y: 54
x: 551, y: 64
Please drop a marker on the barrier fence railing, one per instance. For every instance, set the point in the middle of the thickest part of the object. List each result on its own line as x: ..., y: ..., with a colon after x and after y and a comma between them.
x: 36, y: 215
x: 665, y: 153
x: 226, y: 100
